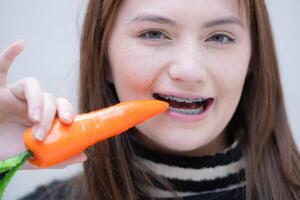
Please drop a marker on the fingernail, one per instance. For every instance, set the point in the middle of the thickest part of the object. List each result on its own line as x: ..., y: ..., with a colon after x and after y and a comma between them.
x: 36, y: 115
x: 67, y: 116
x: 39, y: 132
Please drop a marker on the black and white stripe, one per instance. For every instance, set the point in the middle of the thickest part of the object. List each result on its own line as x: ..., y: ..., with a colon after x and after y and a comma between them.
x: 220, y: 173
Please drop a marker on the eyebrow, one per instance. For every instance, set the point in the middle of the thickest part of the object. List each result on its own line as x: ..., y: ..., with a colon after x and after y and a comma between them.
x: 167, y: 21
x: 154, y: 18
x: 222, y: 21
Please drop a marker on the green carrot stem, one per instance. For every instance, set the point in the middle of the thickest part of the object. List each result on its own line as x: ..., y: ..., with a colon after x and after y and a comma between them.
x: 9, y: 167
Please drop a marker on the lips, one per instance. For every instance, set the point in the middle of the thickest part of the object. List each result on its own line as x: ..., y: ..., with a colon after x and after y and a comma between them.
x: 186, y: 108
x: 185, y: 103
x: 182, y: 95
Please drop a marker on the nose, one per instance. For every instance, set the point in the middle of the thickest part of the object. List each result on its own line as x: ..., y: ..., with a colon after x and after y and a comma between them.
x: 188, y: 64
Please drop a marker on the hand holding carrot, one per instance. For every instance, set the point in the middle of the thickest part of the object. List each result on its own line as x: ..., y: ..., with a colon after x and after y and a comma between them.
x: 28, y: 116
x: 23, y: 104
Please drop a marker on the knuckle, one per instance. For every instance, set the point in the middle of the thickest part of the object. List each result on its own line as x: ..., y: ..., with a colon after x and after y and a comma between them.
x: 64, y: 103
x: 62, y: 100
x: 49, y: 96
x: 31, y: 80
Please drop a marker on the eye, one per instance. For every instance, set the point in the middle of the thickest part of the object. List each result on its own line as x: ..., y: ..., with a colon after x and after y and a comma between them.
x: 153, y: 35
x: 221, y: 38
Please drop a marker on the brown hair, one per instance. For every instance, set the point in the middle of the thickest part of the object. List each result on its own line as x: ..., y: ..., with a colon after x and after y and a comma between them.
x: 273, y: 163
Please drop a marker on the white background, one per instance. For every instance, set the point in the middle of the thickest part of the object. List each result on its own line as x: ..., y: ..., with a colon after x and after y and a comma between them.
x: 51, y: 30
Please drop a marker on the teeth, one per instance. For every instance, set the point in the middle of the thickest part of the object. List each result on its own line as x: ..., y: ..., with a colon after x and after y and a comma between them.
x: 181, y: 99
x: 187, y: 111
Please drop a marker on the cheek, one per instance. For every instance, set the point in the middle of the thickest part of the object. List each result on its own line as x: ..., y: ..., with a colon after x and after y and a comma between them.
x: 133, y: 70
x: 230, y: 85
x: 230, y: 74
x: 231, y: 81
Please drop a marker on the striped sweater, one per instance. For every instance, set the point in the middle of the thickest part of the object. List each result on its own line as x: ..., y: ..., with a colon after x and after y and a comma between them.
x: 219, y: 177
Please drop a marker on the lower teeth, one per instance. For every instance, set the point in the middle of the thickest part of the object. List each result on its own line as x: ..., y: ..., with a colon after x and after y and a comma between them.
x: 187, y: 111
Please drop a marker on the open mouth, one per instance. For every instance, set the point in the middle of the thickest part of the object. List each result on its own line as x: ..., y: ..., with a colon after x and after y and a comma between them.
x: 186, y: 106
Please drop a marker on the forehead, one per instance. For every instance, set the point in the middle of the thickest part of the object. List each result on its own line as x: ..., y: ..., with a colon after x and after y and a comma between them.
x: 183, y: 11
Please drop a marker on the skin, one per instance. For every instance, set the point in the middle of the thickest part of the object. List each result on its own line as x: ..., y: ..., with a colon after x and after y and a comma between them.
x: 24, y: 104
x: 188, y: 57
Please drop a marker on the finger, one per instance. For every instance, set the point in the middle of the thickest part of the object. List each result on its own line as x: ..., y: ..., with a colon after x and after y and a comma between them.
x: 80, y: 158
x: 10, y: 105
x: 48, y: 114
x: 7, y: 57
x: 30, y: 89
x: 65, y: 110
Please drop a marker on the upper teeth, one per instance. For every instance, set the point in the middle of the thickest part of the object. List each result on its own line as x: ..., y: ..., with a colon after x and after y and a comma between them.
x: 181, y: 99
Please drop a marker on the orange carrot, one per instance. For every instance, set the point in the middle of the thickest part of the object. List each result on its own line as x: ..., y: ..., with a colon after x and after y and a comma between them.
x: 64, y: 141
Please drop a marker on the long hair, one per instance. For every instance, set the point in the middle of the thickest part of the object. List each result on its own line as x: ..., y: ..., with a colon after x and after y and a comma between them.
x: 272, y: 158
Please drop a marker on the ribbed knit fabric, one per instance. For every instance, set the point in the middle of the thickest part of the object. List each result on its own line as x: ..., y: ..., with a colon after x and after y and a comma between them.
x: 220, y: 176
x: 217, y: 177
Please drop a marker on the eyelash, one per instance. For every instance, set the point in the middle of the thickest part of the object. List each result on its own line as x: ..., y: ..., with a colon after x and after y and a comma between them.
x: 144, y: 34
x: 224, y: 35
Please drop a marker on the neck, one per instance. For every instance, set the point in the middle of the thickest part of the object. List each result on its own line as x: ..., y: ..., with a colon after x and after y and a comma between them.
x: 217, y: 145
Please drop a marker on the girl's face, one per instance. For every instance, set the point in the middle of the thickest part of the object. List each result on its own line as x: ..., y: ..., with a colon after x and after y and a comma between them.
x: 184, y: 51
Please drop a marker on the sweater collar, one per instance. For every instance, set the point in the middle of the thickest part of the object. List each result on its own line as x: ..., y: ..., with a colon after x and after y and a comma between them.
x: 195, y: 175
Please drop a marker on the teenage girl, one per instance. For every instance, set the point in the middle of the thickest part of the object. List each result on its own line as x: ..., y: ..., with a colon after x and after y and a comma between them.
x: 226, y: 133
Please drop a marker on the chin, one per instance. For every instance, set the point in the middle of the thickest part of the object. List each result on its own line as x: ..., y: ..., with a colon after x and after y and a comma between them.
x: 182, y: 147
x: 180, y: 140
x: 176, y: 145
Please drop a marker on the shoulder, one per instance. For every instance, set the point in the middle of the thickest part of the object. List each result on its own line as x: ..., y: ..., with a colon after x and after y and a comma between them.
x: 57, y: 190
